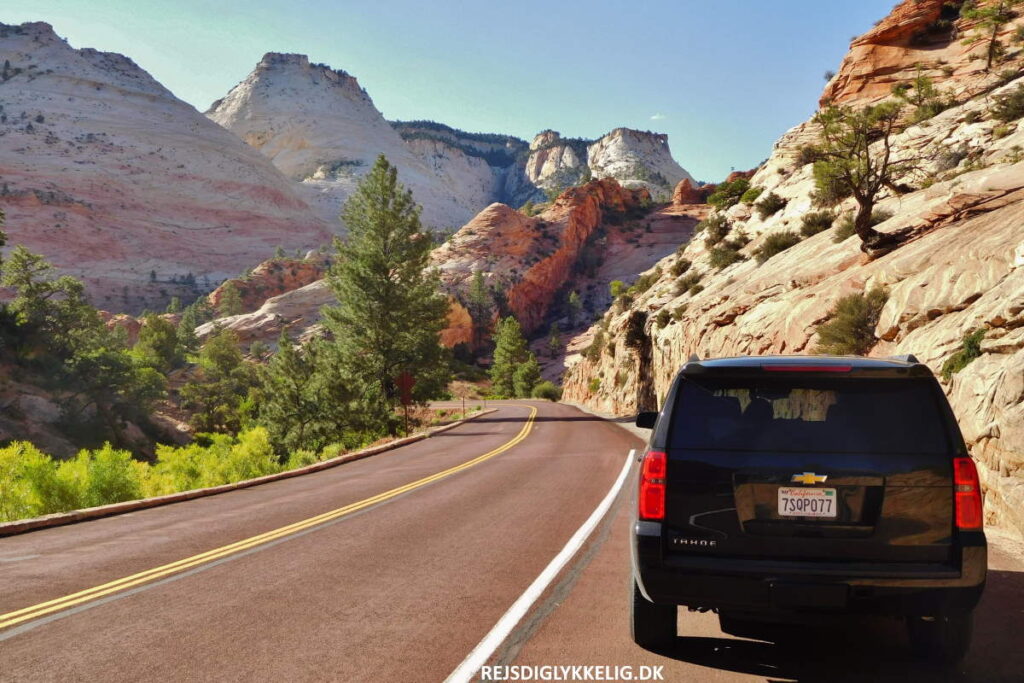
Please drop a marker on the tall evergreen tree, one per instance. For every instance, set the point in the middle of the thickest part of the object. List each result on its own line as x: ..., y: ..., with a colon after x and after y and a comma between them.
x: 575, y: 306
x: 302, y: 405
x: 230, y: 300
x: 218, y: 395
x: 989, y: 17
x: 509, y: 352
x: 158, y: 345
x: 390, y: 312
x: 554, y: 340
x: 480, y: 305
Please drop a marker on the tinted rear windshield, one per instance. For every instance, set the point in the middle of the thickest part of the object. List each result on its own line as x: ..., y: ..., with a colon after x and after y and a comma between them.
x: 803, y: 415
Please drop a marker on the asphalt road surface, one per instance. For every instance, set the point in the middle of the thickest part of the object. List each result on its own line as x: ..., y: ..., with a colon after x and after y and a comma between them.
x: 393, y: 568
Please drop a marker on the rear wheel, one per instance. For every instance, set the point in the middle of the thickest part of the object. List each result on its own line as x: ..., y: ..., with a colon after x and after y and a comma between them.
x: 943, y: 640
x: 653, y: 626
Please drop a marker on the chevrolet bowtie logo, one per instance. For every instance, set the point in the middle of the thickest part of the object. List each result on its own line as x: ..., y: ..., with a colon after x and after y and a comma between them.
x: 809, y: 478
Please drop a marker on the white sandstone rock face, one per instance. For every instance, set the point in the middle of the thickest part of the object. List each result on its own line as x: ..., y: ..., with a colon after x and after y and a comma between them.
x: 119, y: 183
x: 321, y: 128
x: 636, y: 159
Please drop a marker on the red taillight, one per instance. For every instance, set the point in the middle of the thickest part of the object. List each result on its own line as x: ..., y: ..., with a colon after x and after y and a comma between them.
x: 967, y: 490
x: 652, y: 486
x: 807, y: 368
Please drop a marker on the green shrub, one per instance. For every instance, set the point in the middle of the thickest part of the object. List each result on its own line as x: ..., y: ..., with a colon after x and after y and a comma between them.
x: 616, y: 287
x: 1008, y: 106
x: 593, y: 352
x: 816, y: 221
x: 595, y: 385
x: 969, y: 349
x: 663, y: 318
x: 645, y: 282
x: 776, y: 243
x: 301, y: 458
x: 21, y: 464
x: 715, y: 228
x: 728, y: 194
x: 751, y: 195
x: 678, y: 311
x: 850, y: 328
x: 769, y: 205
x: 1001, y: 131
x: 547, y: 390
x: 845, y: 228
x: 723, y: 256
x: 808, y: 154
x: 687, y: 282
x: 680, y: 267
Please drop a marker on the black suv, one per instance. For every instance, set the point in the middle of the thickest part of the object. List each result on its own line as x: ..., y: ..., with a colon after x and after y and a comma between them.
x: 793, y: 489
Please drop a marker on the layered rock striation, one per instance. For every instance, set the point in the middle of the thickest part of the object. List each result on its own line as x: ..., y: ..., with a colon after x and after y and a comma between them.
x: 118, y: 182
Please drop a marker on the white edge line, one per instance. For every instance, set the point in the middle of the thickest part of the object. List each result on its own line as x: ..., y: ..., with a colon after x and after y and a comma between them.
x: 497, y: 635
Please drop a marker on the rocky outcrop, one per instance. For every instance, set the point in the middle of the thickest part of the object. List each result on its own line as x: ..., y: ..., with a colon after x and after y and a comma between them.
x: 688, y: 193
x: 272, y: 278
x: 917, y: 37
x: 555, y: 163
x: 636, y: 159
x: 121, y: 184
x: 321, y: 128
x: 590, y: 235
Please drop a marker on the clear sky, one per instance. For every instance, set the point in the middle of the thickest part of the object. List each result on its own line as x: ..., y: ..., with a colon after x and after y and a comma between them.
x: 724, y: 78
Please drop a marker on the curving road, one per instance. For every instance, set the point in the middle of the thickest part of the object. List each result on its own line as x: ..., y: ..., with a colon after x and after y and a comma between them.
x: 394, y: 568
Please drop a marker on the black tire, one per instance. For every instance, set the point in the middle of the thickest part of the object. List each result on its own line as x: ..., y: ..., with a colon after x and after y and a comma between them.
x: 941, y: 640
x: 653, y: 626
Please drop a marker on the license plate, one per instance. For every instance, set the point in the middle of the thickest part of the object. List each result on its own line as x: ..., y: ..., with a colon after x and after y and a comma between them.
x: 802, y: 502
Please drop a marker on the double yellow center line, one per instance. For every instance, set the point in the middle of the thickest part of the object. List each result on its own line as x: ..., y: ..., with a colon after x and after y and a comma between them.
x: 89, y: 594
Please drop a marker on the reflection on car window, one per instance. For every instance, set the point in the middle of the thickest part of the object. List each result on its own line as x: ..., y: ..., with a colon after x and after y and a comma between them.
x: 837, y: 415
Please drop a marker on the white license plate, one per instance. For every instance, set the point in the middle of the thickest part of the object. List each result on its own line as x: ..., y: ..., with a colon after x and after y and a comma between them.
x: 804, y: 502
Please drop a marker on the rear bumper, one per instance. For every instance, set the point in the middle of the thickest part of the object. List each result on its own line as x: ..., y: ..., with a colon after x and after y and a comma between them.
x: 769, y: 586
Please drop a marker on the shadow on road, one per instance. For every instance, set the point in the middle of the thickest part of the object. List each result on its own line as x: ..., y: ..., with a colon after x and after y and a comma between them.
x: 874, y: 649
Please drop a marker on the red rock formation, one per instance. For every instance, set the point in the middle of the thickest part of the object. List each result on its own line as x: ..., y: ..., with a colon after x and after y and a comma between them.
x: 272, y: 278
x: 918, y: 36
x: 688, y: 193
x: 576, y: 214
x: 736, y: 175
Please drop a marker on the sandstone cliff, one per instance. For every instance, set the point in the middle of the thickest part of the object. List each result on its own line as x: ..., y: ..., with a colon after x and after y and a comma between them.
x: 964, y: 272
x: 917, y: 37
x: 121, y: 184
x: 637, y: 159
x: 321, y: 128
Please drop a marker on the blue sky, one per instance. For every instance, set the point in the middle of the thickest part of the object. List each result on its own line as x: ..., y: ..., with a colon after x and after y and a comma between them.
x: 723, y: 78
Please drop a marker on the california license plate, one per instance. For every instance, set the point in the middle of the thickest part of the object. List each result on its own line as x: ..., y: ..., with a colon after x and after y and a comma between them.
x: 806, y: 502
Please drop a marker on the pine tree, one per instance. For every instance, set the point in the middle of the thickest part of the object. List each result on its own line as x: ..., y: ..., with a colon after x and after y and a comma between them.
x: 158, y: 345
x: 230, y: 300
x: 302, y: 405
x: 554, y: 340
x: 989, y: 20
x: 390, y: 312
x: 480, y: 305
x: 174, y: 306
x: 575, y: 306
x: 526, y: 377
x: 217, y: 396
x: 510, y: 351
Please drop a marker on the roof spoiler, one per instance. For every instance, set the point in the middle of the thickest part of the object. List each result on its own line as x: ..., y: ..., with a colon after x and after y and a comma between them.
x: 905, y: 358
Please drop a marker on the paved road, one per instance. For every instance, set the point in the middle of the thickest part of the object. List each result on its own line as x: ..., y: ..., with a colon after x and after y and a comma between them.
x: 322, y: 577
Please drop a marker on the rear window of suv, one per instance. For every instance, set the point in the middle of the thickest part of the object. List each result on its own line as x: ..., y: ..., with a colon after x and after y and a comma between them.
x: 845, y: 415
